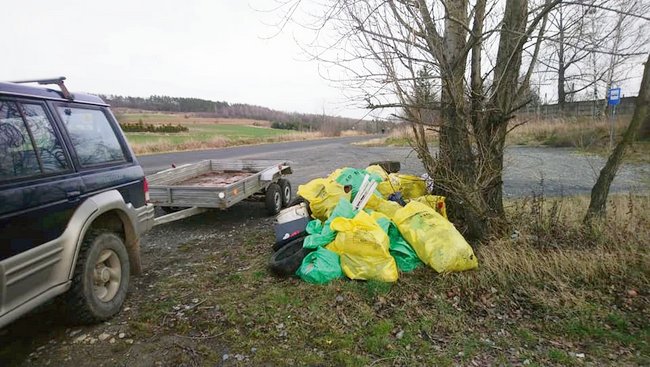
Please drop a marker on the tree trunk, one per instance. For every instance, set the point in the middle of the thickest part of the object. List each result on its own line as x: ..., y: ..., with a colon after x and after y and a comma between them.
x: 600, y: 191
x: 561, y: 94
x: 455, y: 173
x: 491, y: 136
x: 644, y: 132
x: 561, y: 77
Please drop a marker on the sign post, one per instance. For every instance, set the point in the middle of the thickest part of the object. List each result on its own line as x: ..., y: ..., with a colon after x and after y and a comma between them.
x: 613, y: 99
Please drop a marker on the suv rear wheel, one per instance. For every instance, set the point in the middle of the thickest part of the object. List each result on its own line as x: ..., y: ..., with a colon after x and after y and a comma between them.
x: 101, y: 278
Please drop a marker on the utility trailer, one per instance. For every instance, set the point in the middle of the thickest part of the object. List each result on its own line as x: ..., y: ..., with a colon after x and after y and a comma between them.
x: 218, y: 184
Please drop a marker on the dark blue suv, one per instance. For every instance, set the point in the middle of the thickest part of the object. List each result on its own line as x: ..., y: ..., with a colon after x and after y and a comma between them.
x: 73, y: 203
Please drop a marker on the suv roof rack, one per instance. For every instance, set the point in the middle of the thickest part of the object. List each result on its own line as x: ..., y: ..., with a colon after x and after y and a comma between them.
x: 58, y: 81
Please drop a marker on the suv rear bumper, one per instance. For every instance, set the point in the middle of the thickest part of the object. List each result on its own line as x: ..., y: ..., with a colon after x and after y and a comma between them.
x: 145, y: 215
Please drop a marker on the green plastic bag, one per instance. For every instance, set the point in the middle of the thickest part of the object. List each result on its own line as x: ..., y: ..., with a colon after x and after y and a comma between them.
x: 320, y: 267
x: 405, y: 257
x: 314, y: 227
x: 320, y: 238
x: 354, y: 177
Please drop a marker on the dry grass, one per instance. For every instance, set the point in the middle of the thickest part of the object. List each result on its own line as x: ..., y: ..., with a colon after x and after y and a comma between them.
x: 557, y: 260
x: 565, y: 132
x: 219, y: 142
x: 584, y: 133
x: 353, y: 133
x: 399, y: 136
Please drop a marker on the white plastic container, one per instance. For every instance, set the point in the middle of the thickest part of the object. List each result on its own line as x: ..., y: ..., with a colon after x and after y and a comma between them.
x: 292, y: 213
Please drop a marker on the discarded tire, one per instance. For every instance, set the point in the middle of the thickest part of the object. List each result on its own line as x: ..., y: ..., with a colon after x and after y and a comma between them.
x: 388, y: 166
x: 288, y: 259
x: 280, y: 244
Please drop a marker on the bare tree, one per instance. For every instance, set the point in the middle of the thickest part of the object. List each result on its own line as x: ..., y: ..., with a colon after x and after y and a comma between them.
x: 567, y: 45
x: 600, y: 191
x: 591, y: 43
x: 479, y: 57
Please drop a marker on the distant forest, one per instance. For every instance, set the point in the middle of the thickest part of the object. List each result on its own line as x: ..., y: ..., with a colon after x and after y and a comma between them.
x: 206, y: 108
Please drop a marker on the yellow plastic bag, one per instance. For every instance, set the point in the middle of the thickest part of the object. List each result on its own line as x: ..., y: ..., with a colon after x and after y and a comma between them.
x: 334, y: 175
x: 364, y: 248
x: 376, y: 169
x: 323, y: 195
x: 410, y: 186
x: 386, y: 207
x: 435, y: 202
x: 436, y: 241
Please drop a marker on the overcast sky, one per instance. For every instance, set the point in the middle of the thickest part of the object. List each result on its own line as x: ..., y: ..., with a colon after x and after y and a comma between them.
x: 213, y: 49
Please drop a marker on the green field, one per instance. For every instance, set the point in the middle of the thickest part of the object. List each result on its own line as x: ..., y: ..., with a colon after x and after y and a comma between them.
x: 204, y: 133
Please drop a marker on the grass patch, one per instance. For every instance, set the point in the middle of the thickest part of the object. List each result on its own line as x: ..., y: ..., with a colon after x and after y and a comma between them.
x: 401, y: 136
x: 585, y: 134
x: 549, y: 294
x: 204, y: 133
x: 211, y: 136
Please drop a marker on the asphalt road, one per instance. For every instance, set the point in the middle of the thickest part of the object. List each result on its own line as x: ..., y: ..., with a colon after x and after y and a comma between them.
x: 156, y: 162
x: 555, y: 171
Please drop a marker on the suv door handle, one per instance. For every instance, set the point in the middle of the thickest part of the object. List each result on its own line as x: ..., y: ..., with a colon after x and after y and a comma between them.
x: 73, y: 195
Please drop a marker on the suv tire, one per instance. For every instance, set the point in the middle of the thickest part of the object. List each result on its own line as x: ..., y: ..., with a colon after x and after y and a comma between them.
x: 100, y: 280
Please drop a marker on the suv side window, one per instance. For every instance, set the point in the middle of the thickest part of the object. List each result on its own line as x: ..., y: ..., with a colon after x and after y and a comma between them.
x: 20, y: 133
x: 52, y: 157
x: 92, y: 136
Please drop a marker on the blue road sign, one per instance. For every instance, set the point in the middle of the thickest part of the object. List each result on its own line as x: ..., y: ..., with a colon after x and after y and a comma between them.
x: 614, y: 96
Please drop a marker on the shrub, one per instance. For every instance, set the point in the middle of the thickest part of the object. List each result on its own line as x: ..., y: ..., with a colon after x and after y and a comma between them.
x: 151, y: 128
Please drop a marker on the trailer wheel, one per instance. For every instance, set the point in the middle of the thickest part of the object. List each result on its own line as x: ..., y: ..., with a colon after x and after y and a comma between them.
x: 285, y: 188
x: 273, y: 199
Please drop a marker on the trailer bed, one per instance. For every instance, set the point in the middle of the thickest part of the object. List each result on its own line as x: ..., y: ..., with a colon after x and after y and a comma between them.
x: 215, y: 178
x: 214, y: 183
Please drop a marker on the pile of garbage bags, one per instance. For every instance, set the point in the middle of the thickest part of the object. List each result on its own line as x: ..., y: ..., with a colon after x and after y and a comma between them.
x: 398, y: 227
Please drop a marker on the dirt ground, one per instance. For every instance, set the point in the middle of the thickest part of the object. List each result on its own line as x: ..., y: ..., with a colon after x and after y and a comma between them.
x: 43, y: 338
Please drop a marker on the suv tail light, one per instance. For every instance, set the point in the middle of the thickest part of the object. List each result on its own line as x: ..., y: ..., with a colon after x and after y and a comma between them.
x: 145, y: 185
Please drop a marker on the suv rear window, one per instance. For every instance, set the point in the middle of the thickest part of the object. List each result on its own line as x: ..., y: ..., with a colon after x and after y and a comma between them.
x: 21, y: 131
x: 92, y: 136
